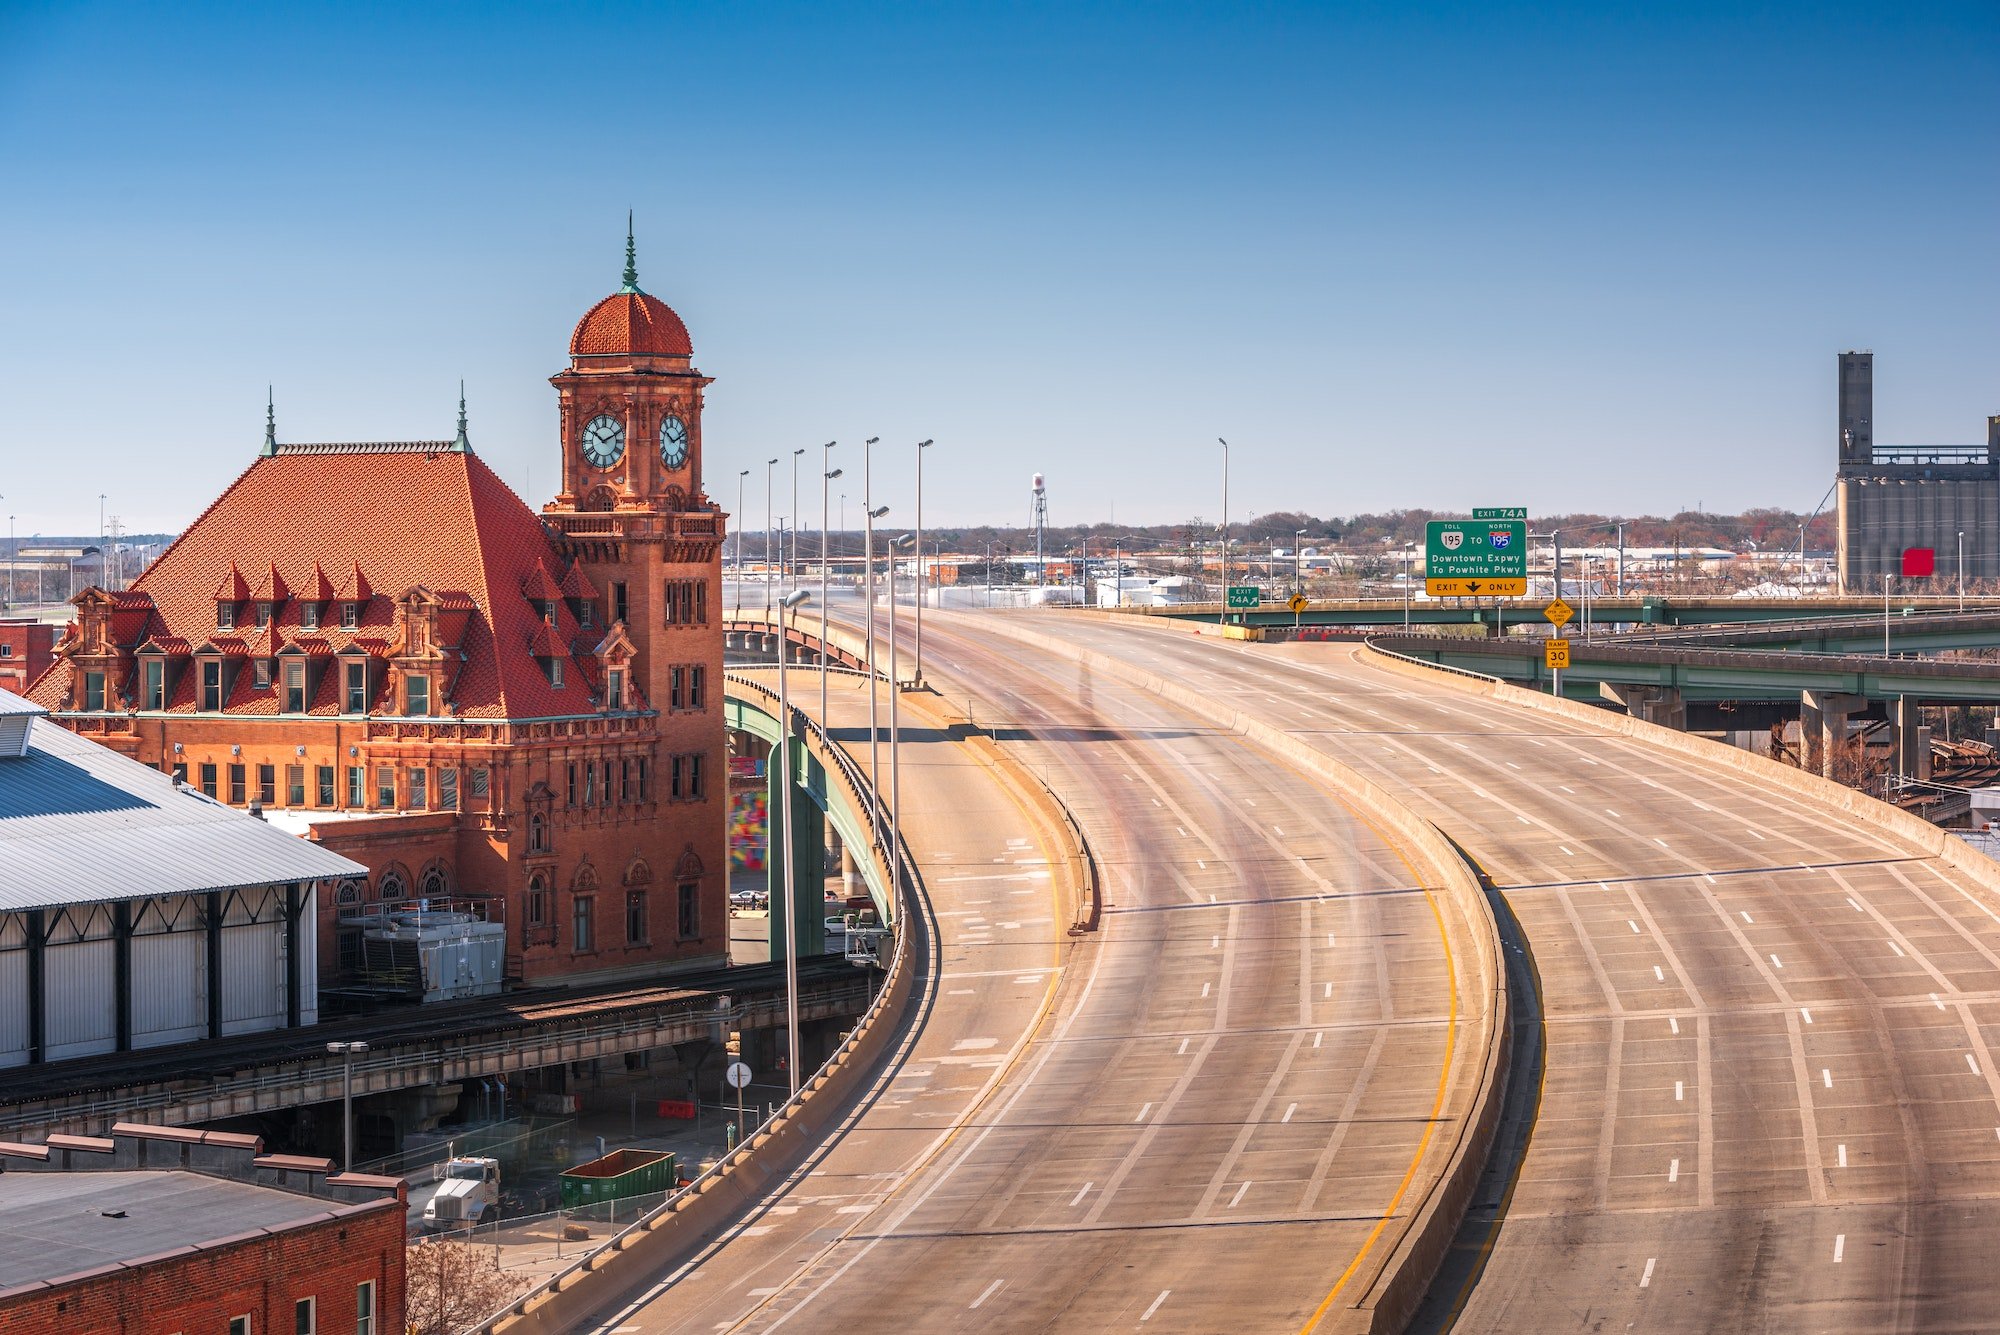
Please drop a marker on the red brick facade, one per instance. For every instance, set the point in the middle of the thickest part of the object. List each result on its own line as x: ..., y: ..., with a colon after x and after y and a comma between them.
x: 471, y: 698
x: 26, y: 650
x: 264, y: 1276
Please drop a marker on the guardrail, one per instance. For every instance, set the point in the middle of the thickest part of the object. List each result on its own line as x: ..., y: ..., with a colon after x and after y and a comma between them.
x: 521, y: 1312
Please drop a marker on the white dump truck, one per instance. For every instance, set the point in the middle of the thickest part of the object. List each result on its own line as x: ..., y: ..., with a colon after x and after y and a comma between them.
x: 468, y: 1193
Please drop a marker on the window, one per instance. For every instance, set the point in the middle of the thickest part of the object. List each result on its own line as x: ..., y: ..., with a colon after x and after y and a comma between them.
x: 211, y: 685
x: 385, y: 786
x: 225, y: 616
x: 479, y: 782
x: 571, y: 770
x: 267, y: 785
x: 645, y: 776
x: 687, y: 782
x: 585, y: 612
x: 323, y: 780
x: 635, y: 917
x: 686, y: 686
x: 618, y: 601
x: 606, y: 789
x: 350, y: 615
x: 687, y: 602
x: 93, y: 690
x: 555, y: 672
x: 303, y: 1322
x: 295, y: 786
x: 581, y: 929
x: 676, y: 687
x: 357, y: 787
x: 417, y: 695
x: 697, y: 684
x: 419, y: 790
x: 614, y: 688
x: 447, y: 790
x: 309, y: 616
x: 589, y: 784
x: 690, y: 910
x: 357, y: 688
x: 239, y: 792
x: 536, y: 911
x: 263, y: 614
x: 262, y: 673
x: 295, y: 687
x: 538, y: 833
x: 155, y: 684
x: 677, y: 785
x: 624, y: 779
x: 364, y: 1308
x: 208, y: 777
x: 239, y: 1325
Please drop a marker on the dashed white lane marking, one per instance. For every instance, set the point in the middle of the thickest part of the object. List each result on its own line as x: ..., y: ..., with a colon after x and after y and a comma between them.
x: 1237, y: 1199
x: 1328, y: 992
x: 1805, y: 1014
x: 1565, y: 848
x: 1633, y: 925
x: 1130, y: 779
x: 1675, y: 1023
x: 1674, y: 1171
x: 760, y: 1293
x: 1204, y: 989
x: 1158, y: 803
x: 1936, y: 1002
x: 1290, y: 1108
x: 1081, y: 1192
x: 1898, y: 949
x: 960, y: 992
x: 1680, y: 1091
x: 1826, y: 1076
x: 1658, y: 977
x: 1524, y: 820
x: 974, y: 1044
x: 1251, y: 801
x: 1199, y: 863
x: 1972, y: 1062
x: 1746, y: 916
x: 1183, y: 830
x: 1839, y: 1247
x: 1661, y: 842
x: 1851, y: 904
x: 1840, y: 1153
x: 991, y: 1289
x: 1147, y: 1315
x: 1755, y: 835
x: 1278, y: 830
x: 1317, y: 1038
x: 1183, y: 1051
x: 1142, y: 1113
x: 1329, y: 938
x: 1214, y: 942
x: 1646, y: 1279
x: 1777, y: 963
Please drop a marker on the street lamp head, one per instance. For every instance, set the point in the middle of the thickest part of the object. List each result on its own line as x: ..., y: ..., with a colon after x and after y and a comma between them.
x: 769, y: 462
x: 923, y: 444
x: 905, y: 540
x: 834, y: 474
x: 800, y: 450
x: 793, y: 599
x: 744, y: 473
x: 871, y: 440
x: 877, y: 514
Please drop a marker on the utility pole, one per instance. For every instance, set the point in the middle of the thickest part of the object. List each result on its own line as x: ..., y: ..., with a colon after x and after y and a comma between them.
x: 917, y: 676
x: 739, y: 539
x: 768, y: 466
x: 826, y: 477
x: 1222, y: 617
x: 787, y: 871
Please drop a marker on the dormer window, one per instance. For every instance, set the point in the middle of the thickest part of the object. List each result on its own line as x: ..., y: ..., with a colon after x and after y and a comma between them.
x: 417, y: 695
x: 262, y: 668
x: 309, y: 616
x: 584, y: 614
x: 263, y: 614
x: 225, y: 616
x: 350, y: 615
x: 556, y: 672
x: 614, y: 688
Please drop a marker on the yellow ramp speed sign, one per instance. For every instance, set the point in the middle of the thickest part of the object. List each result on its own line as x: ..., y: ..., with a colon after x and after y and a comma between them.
x: 1555, y: 654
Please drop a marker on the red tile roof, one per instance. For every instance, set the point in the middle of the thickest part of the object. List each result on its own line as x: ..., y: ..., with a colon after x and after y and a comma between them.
x: 317, y: 588
x: 630, y: 322
x: 271, y: 587
x: 440, y: 519
x: 233, y: 589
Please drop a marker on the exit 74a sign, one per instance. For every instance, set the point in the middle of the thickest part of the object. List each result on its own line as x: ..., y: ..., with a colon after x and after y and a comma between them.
x: 1243, y: 596
x: 1474, y: 558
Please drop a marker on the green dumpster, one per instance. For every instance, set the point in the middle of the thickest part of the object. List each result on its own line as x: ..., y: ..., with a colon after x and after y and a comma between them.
x: 617, y: 1175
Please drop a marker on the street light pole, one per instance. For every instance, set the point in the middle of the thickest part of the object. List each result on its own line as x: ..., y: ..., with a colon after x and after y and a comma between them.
x: 1222, y: 618
x: 739, y: 540
x: 769, y: 464
x: 1961, y: 562
x: 792, y: 563
x: 1406, y: 588
x: 895, y: 743
x: 347, y: 1052
x: 917, y: 676
x: 825, y: 479
x: 787, y: 870
x: 1298, y: 571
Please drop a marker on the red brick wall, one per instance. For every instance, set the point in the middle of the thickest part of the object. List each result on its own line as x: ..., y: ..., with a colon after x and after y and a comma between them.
x: 263, y: 1278
x: 25, y: 652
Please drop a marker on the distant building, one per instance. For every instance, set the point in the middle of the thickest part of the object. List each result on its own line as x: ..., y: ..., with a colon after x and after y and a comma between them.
x: 1894, y: 497
x: 135, y: 912
x: 26, y: 650
x: 173, y: 1229
x: 518, y: 712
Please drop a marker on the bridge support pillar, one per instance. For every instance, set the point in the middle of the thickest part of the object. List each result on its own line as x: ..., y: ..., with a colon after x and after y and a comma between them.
x: 1655, y: 704
x: 1823, y: 718
x: 796, y: 817
x: 1909, y: 740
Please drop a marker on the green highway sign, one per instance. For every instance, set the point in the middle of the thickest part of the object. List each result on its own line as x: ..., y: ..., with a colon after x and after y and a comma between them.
x: 1242, y: 595
x: 1519, y: 512
x: 1475, y: 557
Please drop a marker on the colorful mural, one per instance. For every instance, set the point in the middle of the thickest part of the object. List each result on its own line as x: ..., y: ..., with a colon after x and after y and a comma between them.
x: 749, y: 829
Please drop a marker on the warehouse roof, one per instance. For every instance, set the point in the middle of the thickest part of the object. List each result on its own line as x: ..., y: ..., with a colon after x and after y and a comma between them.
x: 81, y: 824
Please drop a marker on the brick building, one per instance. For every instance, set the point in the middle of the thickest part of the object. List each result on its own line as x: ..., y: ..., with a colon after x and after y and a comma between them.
x: 155, y: 1229
x: 26, y: 650
x: 383, y: 644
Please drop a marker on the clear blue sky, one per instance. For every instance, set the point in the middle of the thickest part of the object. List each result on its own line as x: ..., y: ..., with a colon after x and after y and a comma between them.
x: 1566, y: 258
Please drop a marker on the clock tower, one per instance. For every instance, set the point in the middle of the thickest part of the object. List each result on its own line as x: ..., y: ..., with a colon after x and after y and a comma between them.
x: 631, y: 512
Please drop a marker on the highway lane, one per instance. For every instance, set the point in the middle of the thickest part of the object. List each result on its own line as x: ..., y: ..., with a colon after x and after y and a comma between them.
x: 1241, y: 1066
x: 1771, y: 1100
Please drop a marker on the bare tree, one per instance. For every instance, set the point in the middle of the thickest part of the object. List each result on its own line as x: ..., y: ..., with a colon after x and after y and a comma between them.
x: 450, y: 1285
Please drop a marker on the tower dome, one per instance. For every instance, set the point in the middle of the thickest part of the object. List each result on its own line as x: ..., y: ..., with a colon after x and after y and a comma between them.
x: 630, y: 322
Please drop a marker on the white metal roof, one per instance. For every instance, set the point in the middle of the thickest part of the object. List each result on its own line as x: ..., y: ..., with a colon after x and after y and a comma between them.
x: 81, y: 824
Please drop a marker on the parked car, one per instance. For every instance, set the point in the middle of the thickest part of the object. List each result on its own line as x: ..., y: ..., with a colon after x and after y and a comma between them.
x: 747, y: 899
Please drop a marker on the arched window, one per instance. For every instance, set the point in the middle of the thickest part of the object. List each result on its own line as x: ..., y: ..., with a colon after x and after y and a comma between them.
x: 393, y: 885
x: 535, y: 912
x: 538, y: 833
x: 433, y: 884
x: 347, y: 892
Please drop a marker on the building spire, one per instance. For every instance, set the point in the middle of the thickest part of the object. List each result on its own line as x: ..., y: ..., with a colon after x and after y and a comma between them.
x: 270, y: 422
x: 463, y: 443
x: 631, y: 257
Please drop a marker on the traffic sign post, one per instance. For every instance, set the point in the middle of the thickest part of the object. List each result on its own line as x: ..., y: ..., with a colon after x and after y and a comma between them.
x: 1558, y: 613
x: 1242, y: 596
x: 1486, y: 556
x: 1555, y: 653
x: 738, y: 1075
x: 1298, y: 604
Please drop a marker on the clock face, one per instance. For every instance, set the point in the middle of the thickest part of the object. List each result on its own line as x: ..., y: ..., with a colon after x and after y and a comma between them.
x: 673, y: 442
x: 604, y: 441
